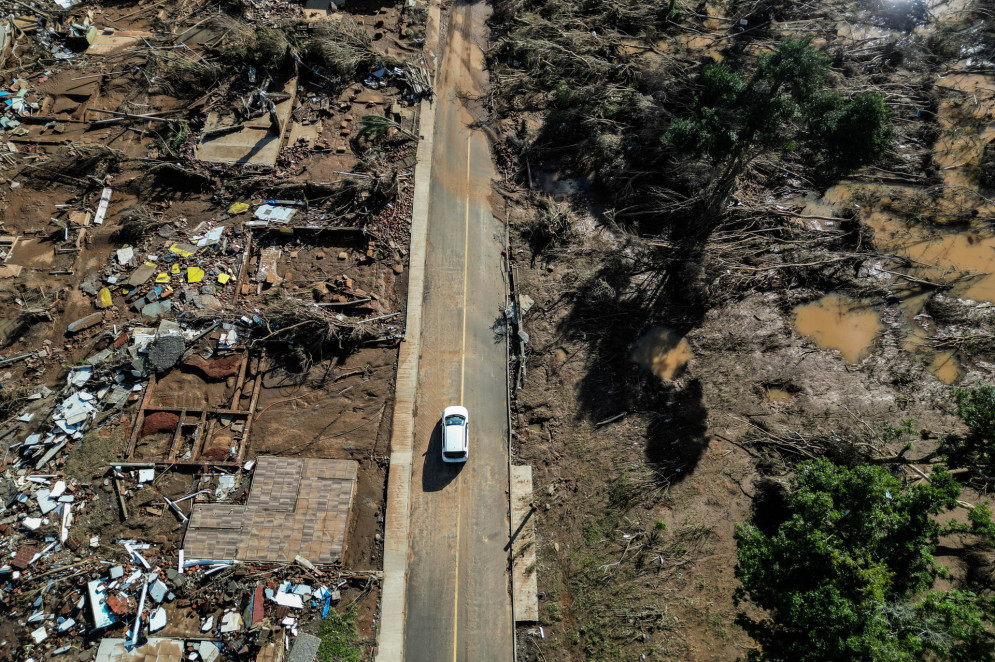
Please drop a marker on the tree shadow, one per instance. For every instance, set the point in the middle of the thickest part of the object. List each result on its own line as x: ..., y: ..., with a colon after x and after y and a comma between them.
x: 436, y: 474
x: 638, y: 288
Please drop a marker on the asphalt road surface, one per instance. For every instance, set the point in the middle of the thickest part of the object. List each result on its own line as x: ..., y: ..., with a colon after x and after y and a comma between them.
x: 458, y: 598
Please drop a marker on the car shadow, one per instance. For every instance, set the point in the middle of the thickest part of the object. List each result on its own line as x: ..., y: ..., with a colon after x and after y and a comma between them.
x: 436, y: 474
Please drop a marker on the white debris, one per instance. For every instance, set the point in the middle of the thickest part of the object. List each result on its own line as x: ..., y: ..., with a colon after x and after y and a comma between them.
x: 45, y: 503
x: 158, y: 590
x: 231, y: 621
x: 275, y: 214
x: 211, y: 237
x: 288, y: 600
x: 208, y: 651
x: 105, y: 199
x: 158, y: 620
x: 80, y: 376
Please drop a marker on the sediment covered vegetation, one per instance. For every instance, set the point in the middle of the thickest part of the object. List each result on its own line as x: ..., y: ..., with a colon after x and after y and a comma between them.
x: 727, y: 163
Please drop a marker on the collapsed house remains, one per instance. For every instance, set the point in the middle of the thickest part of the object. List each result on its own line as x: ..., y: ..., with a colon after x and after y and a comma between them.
x: 203, y: 248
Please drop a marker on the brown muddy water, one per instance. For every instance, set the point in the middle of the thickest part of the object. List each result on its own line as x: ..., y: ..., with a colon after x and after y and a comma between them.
x: 941, y: 235
x: 777, y: 396
x: 663, y: 352
x: 840, y: 323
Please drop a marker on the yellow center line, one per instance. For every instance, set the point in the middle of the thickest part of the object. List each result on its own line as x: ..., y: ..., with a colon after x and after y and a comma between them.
x: 462, y: 371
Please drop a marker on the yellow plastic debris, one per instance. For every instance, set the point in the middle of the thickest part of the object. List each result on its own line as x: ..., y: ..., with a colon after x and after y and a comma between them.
x: 162, y: 278
x: 224, y: 278
x: 181, y: 250
x: 175, y: 269
x: 105, y: 298
x: 195, y: 274
x: 150, y: 264
x: 238, y: 208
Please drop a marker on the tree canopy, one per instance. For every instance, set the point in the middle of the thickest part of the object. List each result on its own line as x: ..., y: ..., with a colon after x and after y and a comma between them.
x: 976, y: 449
x: 849, y: 574
x: 783, y: 104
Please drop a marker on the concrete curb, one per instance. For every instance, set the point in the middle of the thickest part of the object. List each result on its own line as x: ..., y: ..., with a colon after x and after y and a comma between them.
x: 390, y: 637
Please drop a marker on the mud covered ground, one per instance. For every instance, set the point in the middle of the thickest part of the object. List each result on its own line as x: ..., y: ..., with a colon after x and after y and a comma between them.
x: 309, y: 311
x: 663, y: 394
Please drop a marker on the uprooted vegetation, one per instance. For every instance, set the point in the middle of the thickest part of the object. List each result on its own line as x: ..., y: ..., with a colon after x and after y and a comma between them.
x: 333, y: 50
x: 721, y: 169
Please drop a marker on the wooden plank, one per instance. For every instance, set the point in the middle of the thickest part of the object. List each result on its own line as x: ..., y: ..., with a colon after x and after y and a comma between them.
x: 523, y: 542
x: 197, y: 412
x: 242, y: 270
x: 140, y: 417
x: 243, y: 442
x: 175, y: 446
x: 201, y: 436
x: 242, y: 365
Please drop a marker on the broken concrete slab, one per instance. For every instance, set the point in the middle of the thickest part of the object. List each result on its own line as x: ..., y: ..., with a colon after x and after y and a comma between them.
x: 85, y: 323
x: 156, y: 308
x: 208, y: 651
x: 165, y: 351
x: 305, y: 648
x: 157, y: 620
x: 274, y: 214
x: 140, y: 275
x: 269, y: 258
x: 255, y: 143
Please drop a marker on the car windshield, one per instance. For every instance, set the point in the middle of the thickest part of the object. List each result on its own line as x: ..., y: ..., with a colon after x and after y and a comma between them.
x: 454, y: 420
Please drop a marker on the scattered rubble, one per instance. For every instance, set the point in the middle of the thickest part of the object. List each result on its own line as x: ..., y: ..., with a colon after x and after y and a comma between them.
x: 187, y: 227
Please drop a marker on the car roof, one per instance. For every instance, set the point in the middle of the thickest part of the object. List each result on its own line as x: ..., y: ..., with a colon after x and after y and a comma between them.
x: 456, y: 410
x: 453, y: 438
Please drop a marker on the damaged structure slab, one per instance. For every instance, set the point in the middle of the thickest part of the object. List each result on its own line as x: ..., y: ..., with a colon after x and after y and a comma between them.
x: 296, y: 507
x: 255, y: 142
x: 156, y: 649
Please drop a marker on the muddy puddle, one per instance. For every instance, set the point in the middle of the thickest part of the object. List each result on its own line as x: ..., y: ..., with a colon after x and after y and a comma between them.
x: 928, y: 237
x: 777, y: 395
x: 663, y: 352
x: 840, y: 323
x: 946, y: 367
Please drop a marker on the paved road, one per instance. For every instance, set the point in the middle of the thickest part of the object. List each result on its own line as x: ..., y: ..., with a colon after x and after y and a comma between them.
x: 458, y: 604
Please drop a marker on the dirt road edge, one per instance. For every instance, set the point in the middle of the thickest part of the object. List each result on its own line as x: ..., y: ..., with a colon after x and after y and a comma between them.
x: 390, y: 636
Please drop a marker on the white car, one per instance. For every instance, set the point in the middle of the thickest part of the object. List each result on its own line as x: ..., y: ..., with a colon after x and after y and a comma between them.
x: 455, y: 434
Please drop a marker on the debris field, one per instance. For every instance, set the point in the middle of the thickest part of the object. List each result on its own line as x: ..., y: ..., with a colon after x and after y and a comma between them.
x: 204, y: 222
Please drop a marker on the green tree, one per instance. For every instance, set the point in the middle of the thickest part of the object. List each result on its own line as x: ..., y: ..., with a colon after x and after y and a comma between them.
x: 849, y: 573
x: 784, y: 102
x: 976, y: 449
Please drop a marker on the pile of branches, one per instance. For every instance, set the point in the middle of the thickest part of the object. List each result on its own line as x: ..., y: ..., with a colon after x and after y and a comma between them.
x: 76, y: 165
x: 339, y: 49
x: 137, y: 222
x: 342, y: 48
x: 180, y: 75
x: 784, y: 447
x: 292, y: 320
